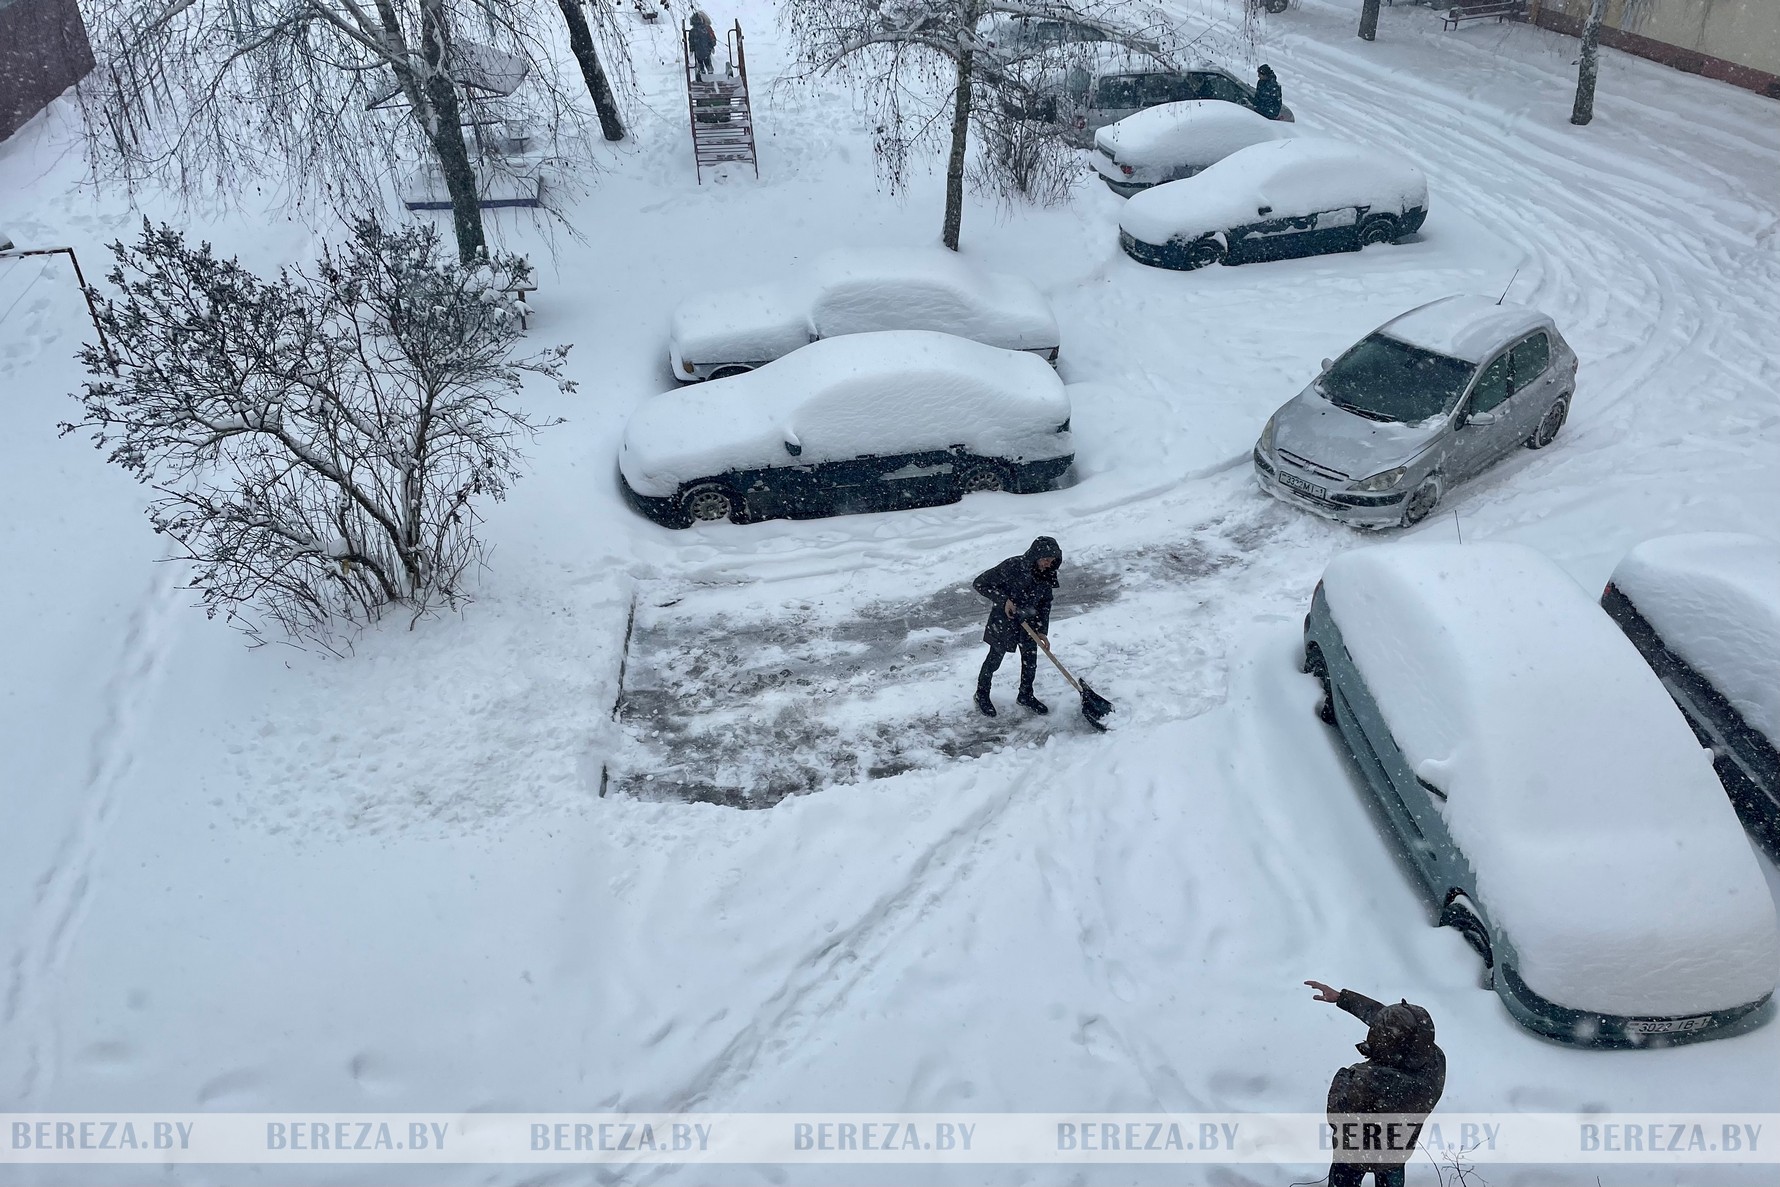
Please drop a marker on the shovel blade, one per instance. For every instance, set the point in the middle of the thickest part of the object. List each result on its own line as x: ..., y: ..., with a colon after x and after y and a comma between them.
x: 1094, y: 706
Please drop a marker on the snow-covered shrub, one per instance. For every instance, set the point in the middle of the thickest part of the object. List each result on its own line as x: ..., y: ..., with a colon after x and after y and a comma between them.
x: 316, y: 442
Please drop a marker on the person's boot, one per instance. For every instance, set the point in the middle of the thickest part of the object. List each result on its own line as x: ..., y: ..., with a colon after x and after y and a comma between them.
x: 985, y: 706
x: 1031, y: 702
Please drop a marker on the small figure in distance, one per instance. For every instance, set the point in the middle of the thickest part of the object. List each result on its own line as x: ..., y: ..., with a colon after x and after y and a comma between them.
x: 701, y: 39
x: 1269, y: 98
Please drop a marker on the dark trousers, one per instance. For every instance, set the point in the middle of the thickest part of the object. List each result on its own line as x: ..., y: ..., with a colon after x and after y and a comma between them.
x: 1350, y: 1174
x: 1028, y: 667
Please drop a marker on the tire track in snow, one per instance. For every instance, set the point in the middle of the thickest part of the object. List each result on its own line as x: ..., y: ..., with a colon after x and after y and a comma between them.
x: 64, y: 888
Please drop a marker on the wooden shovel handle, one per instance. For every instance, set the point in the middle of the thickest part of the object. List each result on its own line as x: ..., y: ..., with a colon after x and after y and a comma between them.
x: 1039, y: 639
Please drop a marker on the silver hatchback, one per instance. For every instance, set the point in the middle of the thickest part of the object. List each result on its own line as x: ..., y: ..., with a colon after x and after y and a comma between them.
x: 1421, y: 404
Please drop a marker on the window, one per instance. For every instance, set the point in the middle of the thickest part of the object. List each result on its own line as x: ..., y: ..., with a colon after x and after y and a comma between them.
x: 1216, y: 86
x: 1385, y: 379
x: 1492, y: 387
x: 1530, y: 359
x: 1141, y: 90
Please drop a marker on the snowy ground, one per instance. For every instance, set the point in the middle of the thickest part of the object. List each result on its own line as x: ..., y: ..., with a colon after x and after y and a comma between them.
x: 253, y: 880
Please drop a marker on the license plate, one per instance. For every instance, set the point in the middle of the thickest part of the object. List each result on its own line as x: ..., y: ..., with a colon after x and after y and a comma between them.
x: 1660, y: 1026
x: 1309, y: 488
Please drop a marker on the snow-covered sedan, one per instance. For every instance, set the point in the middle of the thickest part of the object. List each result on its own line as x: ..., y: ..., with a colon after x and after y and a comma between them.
x: 1704, y: 611
x: 1550, y: 796
x: 1424, y: 402
x: 1283, y: 198
x: 903, y: 418
x: 855, y: 291
x: 1177, y: 140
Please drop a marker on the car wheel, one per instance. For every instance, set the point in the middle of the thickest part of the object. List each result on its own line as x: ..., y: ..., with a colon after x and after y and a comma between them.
x: 1420, y: 503
x: 1463, y: 918
x: 1204, y: 251
x: 708, y: 504
x: 1315, y: 665
x: 981, y: 478
x: 1380, y: 228
x: 1548, y: 428
x: 729, y: 372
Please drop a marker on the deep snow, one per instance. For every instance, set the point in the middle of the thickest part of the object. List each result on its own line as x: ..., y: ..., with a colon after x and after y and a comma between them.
x: 240, y: 879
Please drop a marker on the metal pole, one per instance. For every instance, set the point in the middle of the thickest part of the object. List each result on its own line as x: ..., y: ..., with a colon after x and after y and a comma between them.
x: 80, y: 277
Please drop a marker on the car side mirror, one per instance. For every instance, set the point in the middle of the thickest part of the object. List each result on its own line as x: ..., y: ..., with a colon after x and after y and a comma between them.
x: 1264, y: 210
x: 1327, y: 363
x: 793, y: 446
x: 1480, y: 419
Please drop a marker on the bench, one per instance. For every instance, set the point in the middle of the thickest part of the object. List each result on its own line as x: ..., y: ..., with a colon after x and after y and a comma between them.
x: 519, y: 290
x: 1477, y: 10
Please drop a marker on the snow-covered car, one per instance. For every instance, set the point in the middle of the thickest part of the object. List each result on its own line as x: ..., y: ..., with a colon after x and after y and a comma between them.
x: 856, y: 291
x: 903, y: 418
x: 1177, y: 140
x: 1283, y: 198
x: 1084, y: 88
x: 1559, y: 812
x: 1424, y: 402
x: 1704, y: 611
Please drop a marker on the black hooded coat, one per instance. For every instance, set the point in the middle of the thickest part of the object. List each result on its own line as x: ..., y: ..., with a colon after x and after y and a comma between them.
x: 1269, y: 99
x: 1018, y: 580
x: 1403, y: 1075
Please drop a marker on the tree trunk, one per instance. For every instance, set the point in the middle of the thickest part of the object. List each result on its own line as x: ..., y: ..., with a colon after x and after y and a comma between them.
x: 1590, y: 67
x: 444, y: 128
x: 960, y: 140
x: 1369, y: 21
x: 581, y: 44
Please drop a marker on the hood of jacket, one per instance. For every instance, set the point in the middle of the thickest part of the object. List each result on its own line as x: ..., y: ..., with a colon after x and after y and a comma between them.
x: 1039, y: 549
x: 1401, y: 1036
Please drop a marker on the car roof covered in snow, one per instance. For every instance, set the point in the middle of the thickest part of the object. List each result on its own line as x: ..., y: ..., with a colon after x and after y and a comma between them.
x: 1464, y: 327
x: 896, y: 392
x: 1195, y: 131
x: 1714, y: 598
x: 1297, y: 176
x: 1601, y: 840
x: 860, y: 290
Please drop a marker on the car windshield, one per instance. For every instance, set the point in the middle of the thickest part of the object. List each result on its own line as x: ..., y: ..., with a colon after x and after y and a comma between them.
x: 1384, y: 379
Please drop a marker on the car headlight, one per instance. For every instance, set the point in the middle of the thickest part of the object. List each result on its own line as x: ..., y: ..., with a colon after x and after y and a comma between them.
x: 1384, y: 481
x: 1266, y: 442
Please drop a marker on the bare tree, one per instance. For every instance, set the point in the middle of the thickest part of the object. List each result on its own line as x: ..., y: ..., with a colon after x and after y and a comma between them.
x: 322, y: 97
x: 316, y: 443
x: 1369, y: 20
x: 1589, y: 66
x: 599, y: 89
x: 920, y: 57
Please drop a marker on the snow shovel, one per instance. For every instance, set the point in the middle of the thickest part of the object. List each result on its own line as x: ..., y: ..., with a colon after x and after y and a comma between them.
x: 1094, y: 706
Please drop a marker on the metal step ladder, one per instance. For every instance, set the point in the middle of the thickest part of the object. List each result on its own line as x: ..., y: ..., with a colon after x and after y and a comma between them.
x: 717, y: 108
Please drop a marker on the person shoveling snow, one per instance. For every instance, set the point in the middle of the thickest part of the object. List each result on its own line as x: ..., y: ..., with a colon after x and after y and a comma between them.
x: 1019, y: 591
x: 1377, y: 1108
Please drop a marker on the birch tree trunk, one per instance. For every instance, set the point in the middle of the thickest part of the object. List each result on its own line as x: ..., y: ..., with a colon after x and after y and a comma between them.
x: 442, y: 120
x: 960, y: 141
x: 1590, y: 66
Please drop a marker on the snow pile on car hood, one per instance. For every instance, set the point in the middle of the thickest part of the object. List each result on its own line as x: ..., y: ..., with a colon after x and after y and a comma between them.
x: 1714, y: 598
x: 859, y: 290
x: 1299, y: 176
x: 1193, y: 134
x: 903, y: 391
x: 1602, y: 842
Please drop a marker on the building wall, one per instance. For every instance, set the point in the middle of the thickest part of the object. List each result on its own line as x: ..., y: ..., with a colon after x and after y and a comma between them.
x: 43, y: 52
x: 1737, y: 41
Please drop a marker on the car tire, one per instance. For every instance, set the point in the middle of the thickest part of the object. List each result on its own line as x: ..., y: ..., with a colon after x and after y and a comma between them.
x: 1315, y: 665
x: 1380, y: 228
x: 981, y: 477
x: 1203, y: 252
x: 1462, y: 917
x: 1421, y: 503
x: 730, y: 372
x: 1550, y: 423
x: 708, y: 503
